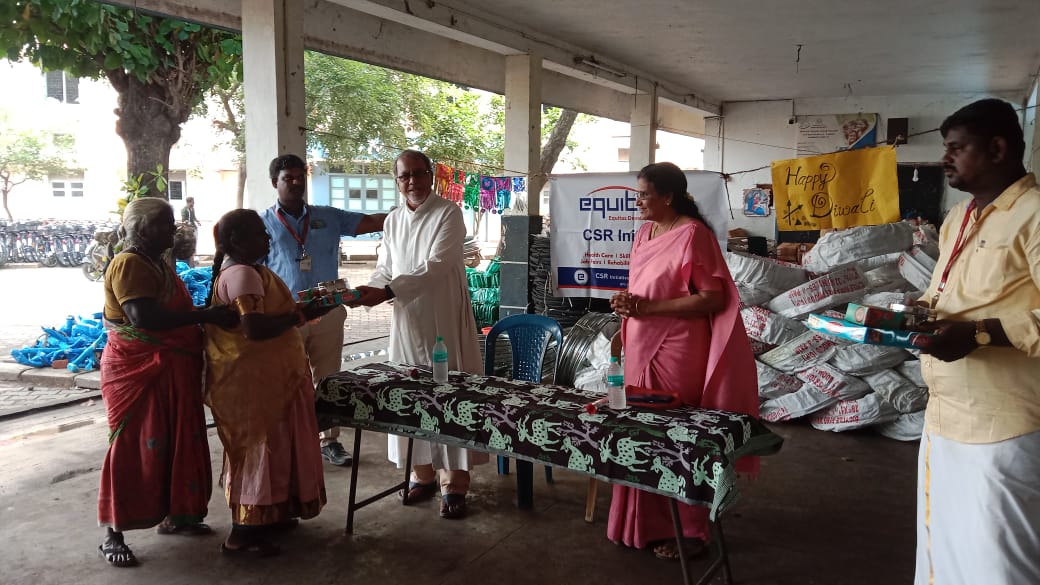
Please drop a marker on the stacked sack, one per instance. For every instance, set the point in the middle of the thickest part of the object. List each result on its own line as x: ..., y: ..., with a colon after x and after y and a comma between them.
x: 838, y: 384
x: 484, y: 293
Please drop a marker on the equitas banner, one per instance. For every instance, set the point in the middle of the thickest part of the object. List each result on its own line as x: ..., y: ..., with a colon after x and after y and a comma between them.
x: 837, y: 190
x: 594, y: 222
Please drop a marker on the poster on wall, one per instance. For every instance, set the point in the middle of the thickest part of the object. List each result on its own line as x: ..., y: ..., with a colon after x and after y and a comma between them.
x: 838, y: 190
x: 757, y: 202
x: 827, y: 133
x: 594, y: 219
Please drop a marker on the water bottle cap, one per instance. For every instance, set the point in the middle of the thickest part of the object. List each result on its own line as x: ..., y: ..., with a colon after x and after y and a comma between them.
x: 439, y: 338
x: 613, y: 360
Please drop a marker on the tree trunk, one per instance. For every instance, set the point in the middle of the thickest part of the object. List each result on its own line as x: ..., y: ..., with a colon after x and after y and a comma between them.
x: 6, y: 209
x: 230, y: 101
x: 149, y: 122
x: 551, y: 151
x: 240, y: 194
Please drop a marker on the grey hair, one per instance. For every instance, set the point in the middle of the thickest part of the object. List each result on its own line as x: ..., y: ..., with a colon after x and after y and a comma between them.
x: 138, y: 214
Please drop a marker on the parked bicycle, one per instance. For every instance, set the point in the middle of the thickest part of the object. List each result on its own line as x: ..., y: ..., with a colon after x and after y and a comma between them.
x: 99, y: 252
x: 45, y: 242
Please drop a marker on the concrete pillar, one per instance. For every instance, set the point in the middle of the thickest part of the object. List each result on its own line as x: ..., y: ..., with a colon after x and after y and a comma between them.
x: 272, y: 61
x: 642, y: 147
x: 523, y: 138
x: 523, y: 150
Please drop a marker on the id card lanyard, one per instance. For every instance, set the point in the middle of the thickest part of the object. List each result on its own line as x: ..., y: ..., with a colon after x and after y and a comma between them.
x: 304, y: 259
x: 958, y: 247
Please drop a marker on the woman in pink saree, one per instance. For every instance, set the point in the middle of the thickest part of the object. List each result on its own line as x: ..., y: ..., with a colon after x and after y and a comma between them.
x: 259, y: 389
x: 681, y: 332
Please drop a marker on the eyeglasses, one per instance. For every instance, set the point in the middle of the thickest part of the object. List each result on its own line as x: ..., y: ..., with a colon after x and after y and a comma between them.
x: 404, y: 177
x: 642, y: 195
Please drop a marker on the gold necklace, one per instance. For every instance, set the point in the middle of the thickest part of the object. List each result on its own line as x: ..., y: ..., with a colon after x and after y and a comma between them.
x: 657, y: 228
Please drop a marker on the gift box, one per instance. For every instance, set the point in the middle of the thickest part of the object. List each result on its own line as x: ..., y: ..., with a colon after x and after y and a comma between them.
x: 872, y: 335
x: 875, y: 317
x: 330, y: 293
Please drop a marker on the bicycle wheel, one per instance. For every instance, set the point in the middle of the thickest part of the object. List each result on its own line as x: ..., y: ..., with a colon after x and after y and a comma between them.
x: 48, y: 258
x: 94, y: 264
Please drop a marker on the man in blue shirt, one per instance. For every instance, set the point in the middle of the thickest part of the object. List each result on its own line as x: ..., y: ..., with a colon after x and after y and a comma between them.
x: 305, y: 251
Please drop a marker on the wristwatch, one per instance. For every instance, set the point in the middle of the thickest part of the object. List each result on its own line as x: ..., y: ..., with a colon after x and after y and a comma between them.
x: 982, y: 336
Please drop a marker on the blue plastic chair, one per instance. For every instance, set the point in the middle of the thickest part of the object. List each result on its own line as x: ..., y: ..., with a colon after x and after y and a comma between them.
x: 529, y: 335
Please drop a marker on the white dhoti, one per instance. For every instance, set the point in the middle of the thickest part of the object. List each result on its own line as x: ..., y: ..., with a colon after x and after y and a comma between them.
x: 978, y: 512
x: 421, y: 260
x: 440, y: 456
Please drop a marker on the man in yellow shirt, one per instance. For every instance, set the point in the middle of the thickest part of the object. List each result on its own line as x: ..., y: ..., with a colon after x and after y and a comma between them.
x: 979, y: 466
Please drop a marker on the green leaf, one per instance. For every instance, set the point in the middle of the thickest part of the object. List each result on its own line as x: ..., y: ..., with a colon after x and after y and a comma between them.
x: 112, y: 60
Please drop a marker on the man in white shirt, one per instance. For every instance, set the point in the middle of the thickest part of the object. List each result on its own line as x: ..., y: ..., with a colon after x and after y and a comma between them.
x: 421, y: 267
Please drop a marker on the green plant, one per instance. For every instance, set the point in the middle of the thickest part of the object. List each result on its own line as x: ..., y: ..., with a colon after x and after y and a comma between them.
x: 139, y: 186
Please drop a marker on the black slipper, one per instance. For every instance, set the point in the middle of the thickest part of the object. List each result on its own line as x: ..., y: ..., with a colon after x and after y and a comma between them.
x: 258, y: 548
x: 419, y: 492
x: 117, y: 554
x: 667, y: 550
x: 196, y: 529
x: 453, y: 506
x: 284, y: 525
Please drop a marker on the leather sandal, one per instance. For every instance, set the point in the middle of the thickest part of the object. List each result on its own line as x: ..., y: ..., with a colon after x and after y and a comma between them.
x: 258, y: 548
x: 116, y: 553
x: 453, y: 506
x: 668, y: 551
x: 194, y: 529
x: 419, y: 492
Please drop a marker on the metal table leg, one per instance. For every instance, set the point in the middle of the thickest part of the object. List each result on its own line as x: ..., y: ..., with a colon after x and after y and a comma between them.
x: 353, y: 482
x: 721, y: 561
x: 352, y: 504
x: 407, y: 472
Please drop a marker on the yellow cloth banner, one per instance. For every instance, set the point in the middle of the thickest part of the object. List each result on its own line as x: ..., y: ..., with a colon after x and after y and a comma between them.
x: 837, y: 190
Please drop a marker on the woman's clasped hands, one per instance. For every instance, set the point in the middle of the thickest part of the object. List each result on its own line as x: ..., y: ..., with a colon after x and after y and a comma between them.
x: 221, y: 316
x: 625, y: 304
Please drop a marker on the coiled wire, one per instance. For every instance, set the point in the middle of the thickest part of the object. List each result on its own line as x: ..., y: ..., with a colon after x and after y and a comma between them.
x: 578, y: 341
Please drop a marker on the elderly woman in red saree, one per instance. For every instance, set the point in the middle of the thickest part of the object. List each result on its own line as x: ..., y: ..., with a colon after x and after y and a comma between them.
x: 258, y: 386
x: 682, y: 333
x: 157, y: 469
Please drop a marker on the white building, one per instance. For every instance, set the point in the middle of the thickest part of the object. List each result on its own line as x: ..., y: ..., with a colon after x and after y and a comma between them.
x: 201, y: 165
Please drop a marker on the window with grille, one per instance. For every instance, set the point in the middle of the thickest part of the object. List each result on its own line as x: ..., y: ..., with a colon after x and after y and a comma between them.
x: 176, y: 190
x: 67, y: 187
x: 366, y: 193
x: 62, y: 87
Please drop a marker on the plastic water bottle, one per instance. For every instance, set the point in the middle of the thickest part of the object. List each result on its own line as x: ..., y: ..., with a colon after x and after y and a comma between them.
x: 616, y: 385
x: 440, y: 361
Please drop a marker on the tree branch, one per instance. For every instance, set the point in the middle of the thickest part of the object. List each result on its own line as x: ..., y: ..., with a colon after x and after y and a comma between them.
x: 552, y: 149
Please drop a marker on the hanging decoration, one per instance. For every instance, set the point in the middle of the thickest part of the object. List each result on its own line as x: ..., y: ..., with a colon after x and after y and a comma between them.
x: 476, y: 191
x: 503, y: 194
x: 487, y: 193
x: 471, y: 196
x: 442, y: 179
x: 458, y: 184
